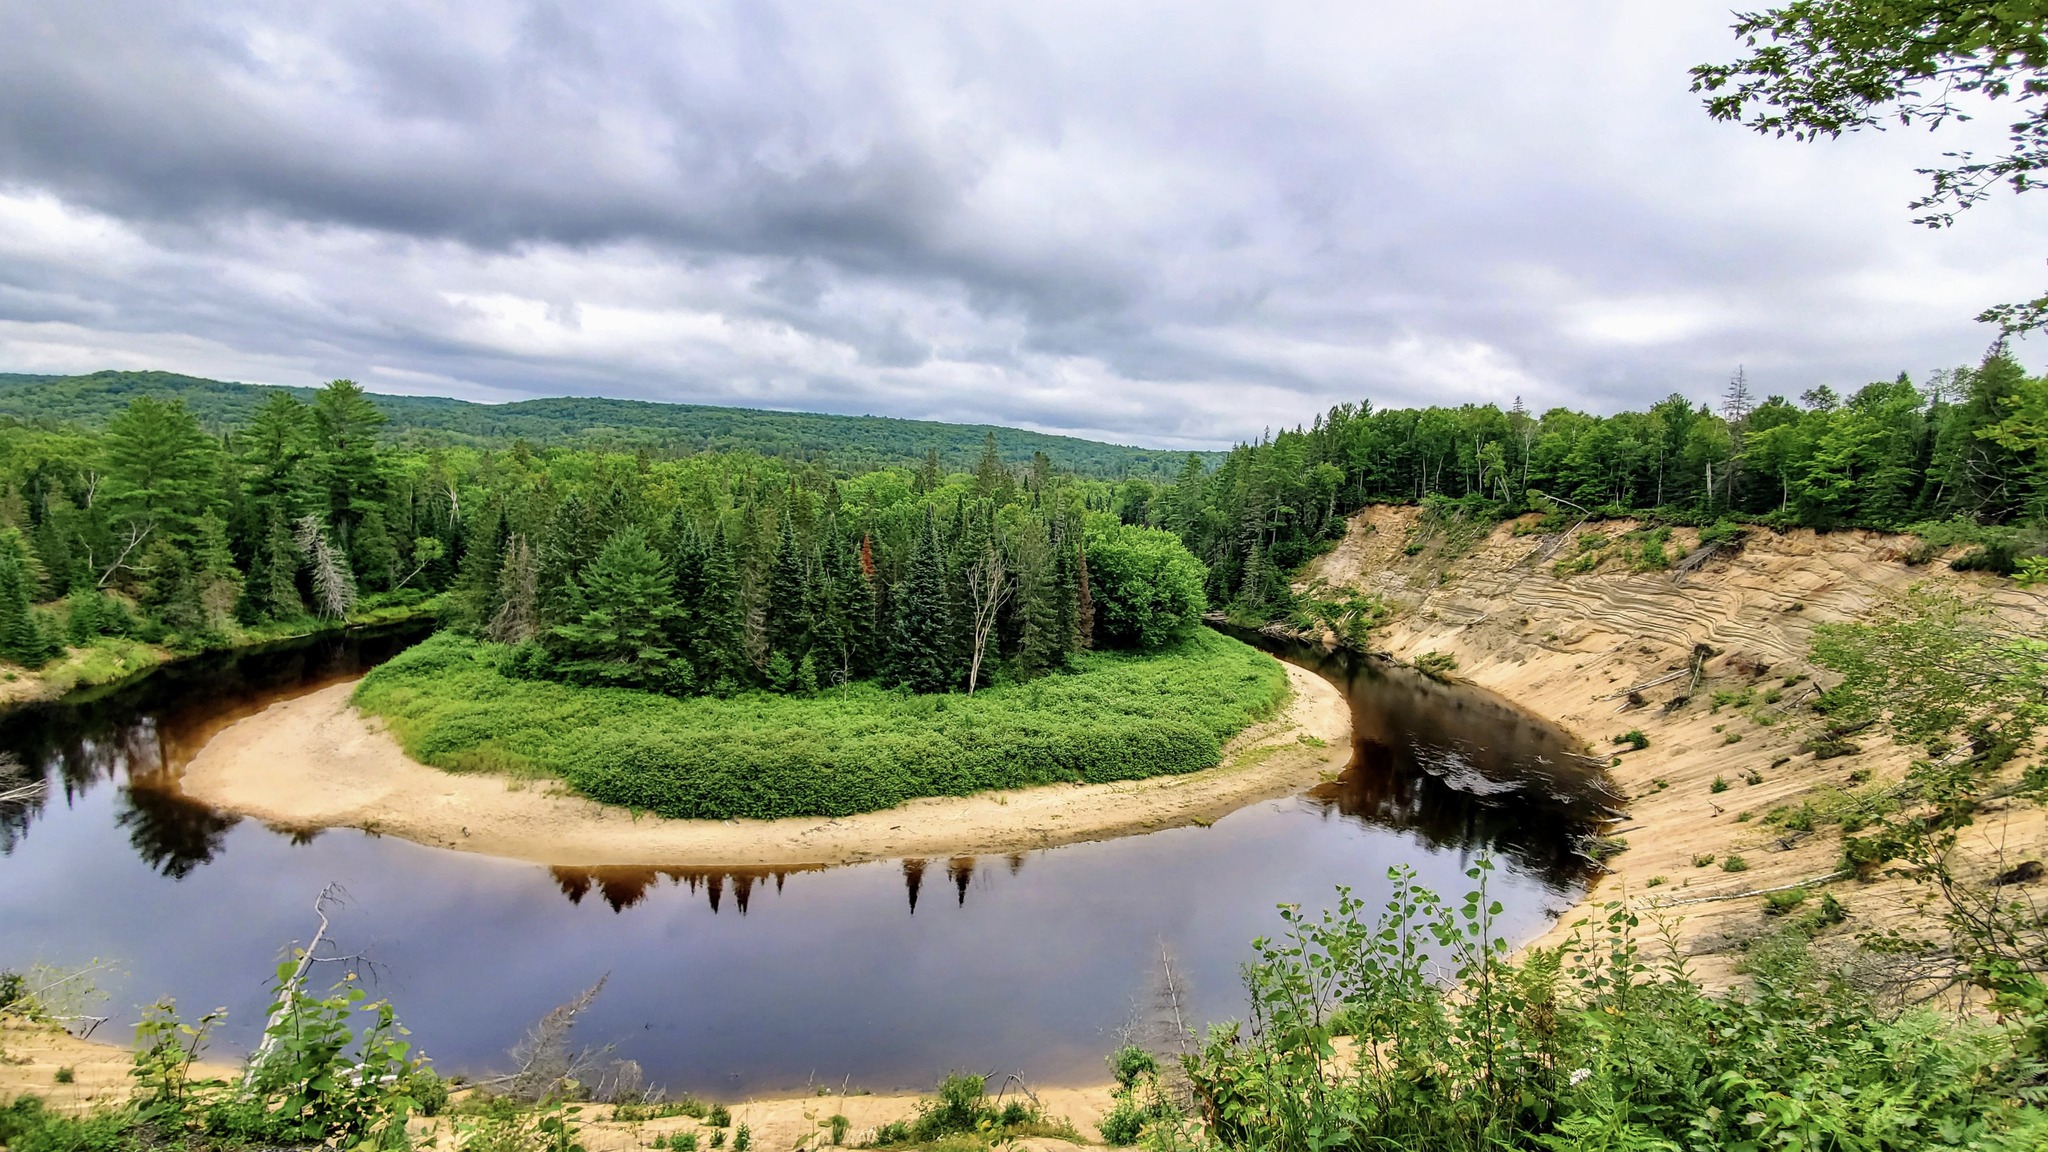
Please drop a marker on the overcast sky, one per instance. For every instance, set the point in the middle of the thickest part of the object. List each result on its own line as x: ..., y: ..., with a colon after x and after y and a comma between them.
x: 1172, y: 224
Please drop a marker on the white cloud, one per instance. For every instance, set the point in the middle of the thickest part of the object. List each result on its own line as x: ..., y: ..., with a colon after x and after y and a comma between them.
x: 1175, y: 224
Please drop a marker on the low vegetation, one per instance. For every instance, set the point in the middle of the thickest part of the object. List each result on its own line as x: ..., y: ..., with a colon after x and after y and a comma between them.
x: 1601, y: 1044
x: 1116, y: 716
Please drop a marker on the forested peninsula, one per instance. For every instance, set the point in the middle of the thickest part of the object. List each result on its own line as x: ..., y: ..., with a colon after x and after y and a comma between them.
x: 730, y: 633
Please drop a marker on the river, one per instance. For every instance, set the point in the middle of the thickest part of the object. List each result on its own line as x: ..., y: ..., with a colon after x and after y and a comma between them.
x: 728, y: 983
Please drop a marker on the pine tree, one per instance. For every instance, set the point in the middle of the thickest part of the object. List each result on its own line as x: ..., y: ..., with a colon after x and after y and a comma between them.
x: 20, y: 639
x: 482, y: 572
x: 277, y: 590
x: 1041, y: 647
x: 790, y: 601
x: 517, y: 619
x: 345, y: 424
x: 217, y: 584
x: 160, y: 471
x: 719, y: 656
x: 374, y: 553
x: 617, y: 630
x: 921, y: 656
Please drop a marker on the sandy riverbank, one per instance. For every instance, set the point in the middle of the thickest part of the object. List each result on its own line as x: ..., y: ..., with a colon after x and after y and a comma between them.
x: 1569, y: 647
x: 31, y: 1054
x: 314, y: 762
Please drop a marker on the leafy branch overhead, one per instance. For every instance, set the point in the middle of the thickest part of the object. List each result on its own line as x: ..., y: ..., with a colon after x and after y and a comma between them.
x: 1816, y: 69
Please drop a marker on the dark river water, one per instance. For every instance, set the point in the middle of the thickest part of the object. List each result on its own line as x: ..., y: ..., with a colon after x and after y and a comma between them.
x: 724, y: 983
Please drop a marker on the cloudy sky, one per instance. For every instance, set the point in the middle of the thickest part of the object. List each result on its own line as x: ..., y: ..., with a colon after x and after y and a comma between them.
x: 1171, y: 223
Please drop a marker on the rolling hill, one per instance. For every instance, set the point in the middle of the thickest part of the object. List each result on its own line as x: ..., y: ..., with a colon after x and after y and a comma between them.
x: 587, y: 422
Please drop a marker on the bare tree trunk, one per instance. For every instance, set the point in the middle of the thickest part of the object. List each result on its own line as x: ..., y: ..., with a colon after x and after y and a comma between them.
x: 988, y: 586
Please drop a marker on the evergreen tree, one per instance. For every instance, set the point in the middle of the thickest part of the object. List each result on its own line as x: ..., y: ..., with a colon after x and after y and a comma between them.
x: 719, y: 655
x: 921, y: 650
x: 160, y: 475
x: 1041, y: 645
x: 21, y: 641
x: 475, y: 597
x: 345, y: 424
x: 517, y: 619
x: 617, y: 630
x: 217, y: 583
x: 789, y: 609
x: 374, y: 553
x: 275, y: 586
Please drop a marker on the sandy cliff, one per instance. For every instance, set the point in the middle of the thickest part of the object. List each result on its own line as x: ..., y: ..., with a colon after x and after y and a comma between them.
x: 1570, y: 646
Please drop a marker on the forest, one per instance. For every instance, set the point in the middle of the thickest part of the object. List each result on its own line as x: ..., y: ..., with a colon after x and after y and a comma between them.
x: 711, y: 573
x: 1962, y: 460
x: 596, y: 422
x: 719, y: 571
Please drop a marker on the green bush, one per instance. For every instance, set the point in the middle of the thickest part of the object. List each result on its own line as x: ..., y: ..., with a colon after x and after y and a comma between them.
x: 1592, y: 1046
x: 1146, y: 585
x: 1130, y: 1062
x: 1634, y: 738
x: 857, y: 748
x: 1436, y: 665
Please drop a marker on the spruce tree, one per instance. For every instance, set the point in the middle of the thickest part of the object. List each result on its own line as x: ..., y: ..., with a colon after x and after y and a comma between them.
x: 719, y: 656
x: 921, y: 648
x: 788, y: 608
x: 617, y: 630
x: 20, y: 640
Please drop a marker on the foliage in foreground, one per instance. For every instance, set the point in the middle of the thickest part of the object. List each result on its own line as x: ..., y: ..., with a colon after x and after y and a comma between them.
x: 333, y: 1070
x: 858, y: 748
x: 1592, y: 1046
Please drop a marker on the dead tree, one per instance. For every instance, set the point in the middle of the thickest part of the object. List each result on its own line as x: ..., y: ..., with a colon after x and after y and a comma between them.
x: 988, y: 587
x: 334, y: 584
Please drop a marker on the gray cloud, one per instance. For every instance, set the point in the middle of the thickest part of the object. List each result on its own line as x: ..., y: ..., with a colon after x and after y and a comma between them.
x: 1167, y: 223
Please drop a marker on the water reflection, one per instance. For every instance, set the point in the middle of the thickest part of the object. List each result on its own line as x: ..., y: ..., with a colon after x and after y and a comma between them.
x: 624, y: 887
x: 733, y: 979
x: 138, y: 737
x: 1460, y: 767
x: 1457, y: 766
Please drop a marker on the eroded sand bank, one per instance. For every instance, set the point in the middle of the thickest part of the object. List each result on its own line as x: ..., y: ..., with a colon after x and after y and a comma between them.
x: 314, y: 762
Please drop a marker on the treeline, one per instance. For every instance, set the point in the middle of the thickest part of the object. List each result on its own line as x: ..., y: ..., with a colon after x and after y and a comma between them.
x: 595, y: 423
x: 1970, y: 448
x: 711, y: 573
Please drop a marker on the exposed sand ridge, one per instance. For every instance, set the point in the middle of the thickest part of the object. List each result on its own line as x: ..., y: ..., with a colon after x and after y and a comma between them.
x: 1567, y: 647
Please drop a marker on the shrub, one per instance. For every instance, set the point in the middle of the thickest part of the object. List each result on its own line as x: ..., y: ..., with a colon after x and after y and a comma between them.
x: 1719, y: 785
x: 1436, y: 665
x: 1779, y: 903
x: 1130, y: 1062
x: 1634, y: 738
x: 857, y: 748
x: 1703, y: 859
x: 1121, y: 1125
x: 839, y: 1126
x: 719, y: 1117
x: 1147, y: 587
x: 1734, y: 864
x: 1592, y: 1046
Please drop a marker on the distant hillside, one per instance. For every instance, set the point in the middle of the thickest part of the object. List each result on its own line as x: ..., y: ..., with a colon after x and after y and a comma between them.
x: 597, y: 422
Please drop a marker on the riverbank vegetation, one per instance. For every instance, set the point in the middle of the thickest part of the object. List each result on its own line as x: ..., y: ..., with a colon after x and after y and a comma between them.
x: 831, y: 752
x: 1961, y: 458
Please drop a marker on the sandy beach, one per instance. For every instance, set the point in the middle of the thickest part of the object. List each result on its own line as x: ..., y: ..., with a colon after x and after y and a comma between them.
x: 315, y: 762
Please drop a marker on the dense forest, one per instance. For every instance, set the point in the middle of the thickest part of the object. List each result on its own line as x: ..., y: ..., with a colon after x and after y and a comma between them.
x: 1964, y: 459
x: 661, y: 430
x: 715, y: 571
x: 709, y: 573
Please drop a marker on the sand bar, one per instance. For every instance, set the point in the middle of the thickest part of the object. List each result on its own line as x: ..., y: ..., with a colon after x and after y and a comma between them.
x: 315, y: 762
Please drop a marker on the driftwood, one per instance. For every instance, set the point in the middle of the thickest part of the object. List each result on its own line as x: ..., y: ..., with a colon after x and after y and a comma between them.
x: 1695, y: 559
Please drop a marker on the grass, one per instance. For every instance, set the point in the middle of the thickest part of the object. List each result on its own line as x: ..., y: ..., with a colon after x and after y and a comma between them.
x: 851, y: 749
